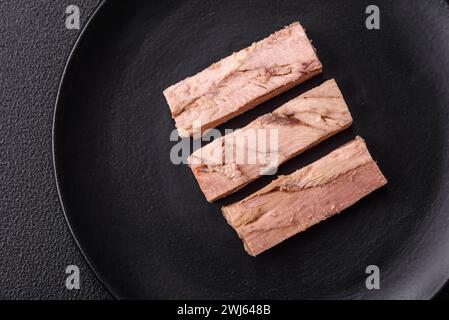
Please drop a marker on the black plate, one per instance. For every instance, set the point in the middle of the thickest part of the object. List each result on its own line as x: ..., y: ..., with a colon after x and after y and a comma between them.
x: 143, y: 223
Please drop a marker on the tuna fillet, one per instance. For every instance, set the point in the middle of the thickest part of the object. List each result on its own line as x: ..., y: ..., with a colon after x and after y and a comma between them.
x: 293, y: 203
x: 276, y: 137
x: 243, y: 80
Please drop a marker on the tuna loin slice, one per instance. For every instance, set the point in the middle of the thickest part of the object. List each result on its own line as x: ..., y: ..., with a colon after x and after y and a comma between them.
x: 293, y: 203
x: 299, y: 124
x: 243, y: 80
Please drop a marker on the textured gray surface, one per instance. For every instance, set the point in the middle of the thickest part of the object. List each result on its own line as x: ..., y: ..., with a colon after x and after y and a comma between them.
x: 35, y: 242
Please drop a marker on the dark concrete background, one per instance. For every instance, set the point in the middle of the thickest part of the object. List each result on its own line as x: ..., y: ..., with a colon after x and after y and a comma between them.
x: 35, y: 243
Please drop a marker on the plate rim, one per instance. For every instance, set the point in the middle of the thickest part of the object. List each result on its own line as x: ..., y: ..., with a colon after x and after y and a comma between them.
x: 62, y: 83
